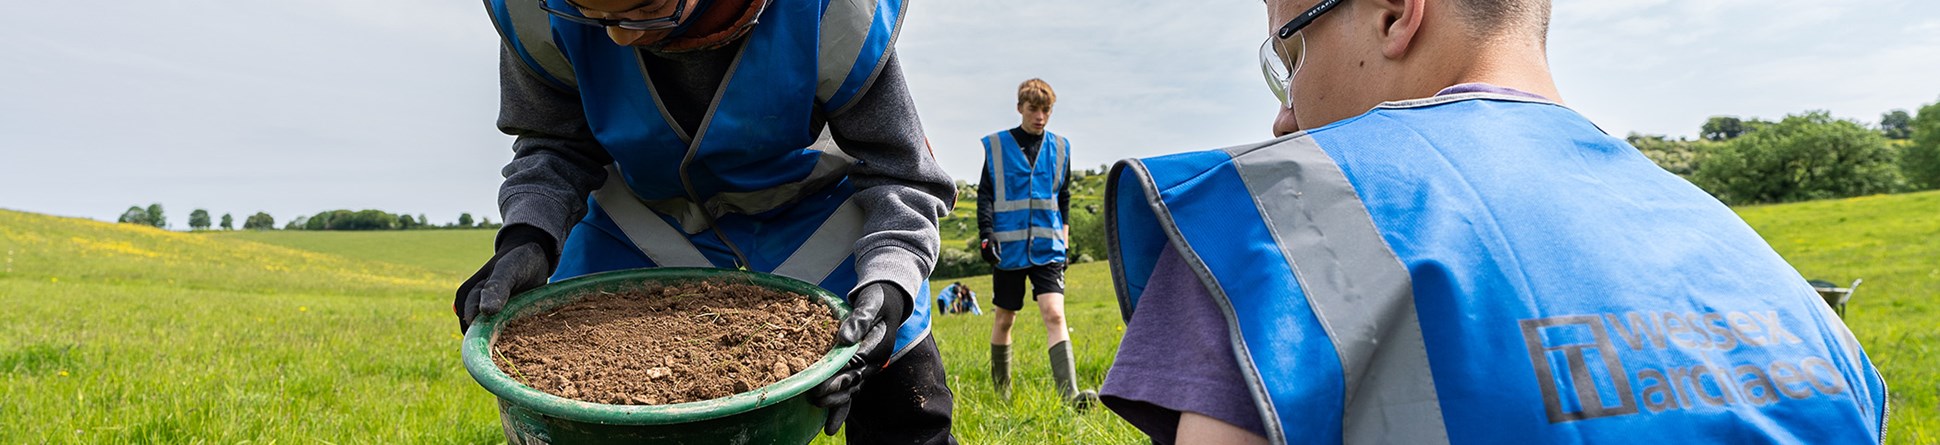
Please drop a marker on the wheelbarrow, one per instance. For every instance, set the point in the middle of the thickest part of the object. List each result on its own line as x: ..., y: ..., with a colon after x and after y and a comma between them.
x: 1834, y: 295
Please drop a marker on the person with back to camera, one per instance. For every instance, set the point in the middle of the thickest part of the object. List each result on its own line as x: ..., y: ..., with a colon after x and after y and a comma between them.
x: 1435, y: 250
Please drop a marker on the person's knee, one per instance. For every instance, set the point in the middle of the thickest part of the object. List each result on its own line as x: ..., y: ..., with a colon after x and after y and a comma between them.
x: 1003, y: 319
x: 1052, y: 316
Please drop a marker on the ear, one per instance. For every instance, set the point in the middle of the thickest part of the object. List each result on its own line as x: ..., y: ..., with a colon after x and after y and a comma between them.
x: 1401, y: 23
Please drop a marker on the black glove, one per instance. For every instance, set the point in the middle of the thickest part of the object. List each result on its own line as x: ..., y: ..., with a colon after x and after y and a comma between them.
x: 876, y: 310
x: 523, y: 262
x: 989, y: 249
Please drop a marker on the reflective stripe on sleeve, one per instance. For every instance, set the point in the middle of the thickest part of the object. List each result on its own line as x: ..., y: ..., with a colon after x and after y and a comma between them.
x: 1358, y: 288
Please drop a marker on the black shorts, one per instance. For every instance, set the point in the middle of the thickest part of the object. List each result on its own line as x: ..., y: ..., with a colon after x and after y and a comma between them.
x: 1008, y: 285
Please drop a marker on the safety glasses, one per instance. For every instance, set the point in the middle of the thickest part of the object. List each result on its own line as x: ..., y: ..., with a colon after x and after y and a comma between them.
x: 668, y: 22
x: 1281, y: 54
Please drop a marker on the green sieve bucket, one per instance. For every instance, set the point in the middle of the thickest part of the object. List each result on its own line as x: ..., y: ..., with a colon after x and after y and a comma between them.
x: 773, y: 414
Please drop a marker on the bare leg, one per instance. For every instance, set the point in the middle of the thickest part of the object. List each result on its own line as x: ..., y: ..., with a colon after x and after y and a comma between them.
x: 1000, y: 326
x: 1050, y: 307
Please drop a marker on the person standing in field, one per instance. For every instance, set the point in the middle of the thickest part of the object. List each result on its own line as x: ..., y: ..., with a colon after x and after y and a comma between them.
x: 1436, y: 250
x: 773, y: 136
x: 1023, y: 207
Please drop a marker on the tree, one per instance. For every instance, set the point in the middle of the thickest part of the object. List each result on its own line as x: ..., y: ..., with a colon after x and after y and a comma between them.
x: 134, y: 215
x: 1724, y: 128
x: 464, y: 220
x: 1804, y: 157
x: 406, y: 222
x: 259, y: 221
x: 299, y: 223
x: 342, y: 219
x: 1677, y: 156
x: 1921, y: 160
x: 320, y: 221
x: 199, y: 219
x: 1896, y: 124
x: 422, y: 221
x: 156, y: 217
x: 1087, y: 242
x: 228, y: 223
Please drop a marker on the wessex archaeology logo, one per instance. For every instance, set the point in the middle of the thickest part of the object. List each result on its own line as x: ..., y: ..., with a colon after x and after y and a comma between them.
x: 1585, y: 374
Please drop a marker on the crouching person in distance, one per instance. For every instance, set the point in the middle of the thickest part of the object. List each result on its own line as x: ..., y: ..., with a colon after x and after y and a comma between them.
x: 684, y: 133
x: 1436, y: 250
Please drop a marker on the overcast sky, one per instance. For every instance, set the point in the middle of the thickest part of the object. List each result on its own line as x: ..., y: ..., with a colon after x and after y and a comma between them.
x: 297, y: 106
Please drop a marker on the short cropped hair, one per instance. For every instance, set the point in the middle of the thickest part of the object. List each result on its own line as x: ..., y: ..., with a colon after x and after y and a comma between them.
x: 1036, y: 92
x: 1493, y: 19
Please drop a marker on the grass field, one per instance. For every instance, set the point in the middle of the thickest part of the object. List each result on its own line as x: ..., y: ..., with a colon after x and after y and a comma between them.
x: 1893, y: 242
x: 122, y: 334
x: 450, y: 251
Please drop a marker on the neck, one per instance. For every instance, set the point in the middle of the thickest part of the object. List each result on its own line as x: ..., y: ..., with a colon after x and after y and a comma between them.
x: 1027, y: 129
x: 1519, y: 64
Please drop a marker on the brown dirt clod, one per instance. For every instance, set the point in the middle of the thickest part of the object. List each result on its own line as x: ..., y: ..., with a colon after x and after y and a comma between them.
x: 666, y: 344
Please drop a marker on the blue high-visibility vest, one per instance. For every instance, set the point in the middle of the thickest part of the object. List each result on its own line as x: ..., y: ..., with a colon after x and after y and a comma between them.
x: 1479, y: 268
x: 1027, y: 224
x: 752, y: 187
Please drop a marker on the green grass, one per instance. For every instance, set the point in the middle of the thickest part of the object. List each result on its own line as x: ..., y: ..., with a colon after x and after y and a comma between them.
x: 123, y: 334
x: 1034, y: 414
x: 450, y: 251
x: 1891, y: 242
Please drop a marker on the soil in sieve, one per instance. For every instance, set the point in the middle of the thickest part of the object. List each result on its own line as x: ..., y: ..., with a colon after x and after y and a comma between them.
x: 666, y: 344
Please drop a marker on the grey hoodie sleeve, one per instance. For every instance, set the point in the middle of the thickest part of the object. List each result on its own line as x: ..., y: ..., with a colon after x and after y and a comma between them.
x: 900, y: 187
x: 556, y: 162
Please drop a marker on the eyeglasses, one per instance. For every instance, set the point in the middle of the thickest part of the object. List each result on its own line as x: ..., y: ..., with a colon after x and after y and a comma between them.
x: 668, y: 22
x: 1278, y: 62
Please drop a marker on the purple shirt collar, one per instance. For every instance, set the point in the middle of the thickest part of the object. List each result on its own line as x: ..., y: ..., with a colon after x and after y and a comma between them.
x: 1479, y: 87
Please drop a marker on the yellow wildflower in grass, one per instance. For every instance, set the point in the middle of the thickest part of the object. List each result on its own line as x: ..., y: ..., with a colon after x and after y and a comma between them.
x: 114, y: 246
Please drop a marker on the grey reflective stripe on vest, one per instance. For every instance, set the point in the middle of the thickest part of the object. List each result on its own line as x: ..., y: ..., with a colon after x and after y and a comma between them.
x: 1024, y: 234
x: 831, y: 167
x: 1064, y: 158
x: 1357, y: 288
x: 1025, y: 204
x: 533, y: 28
x: 828, y: 247
x: 824, y: 250
x: 660, y: 242
x: 845, y: 28
x: 993, y: 146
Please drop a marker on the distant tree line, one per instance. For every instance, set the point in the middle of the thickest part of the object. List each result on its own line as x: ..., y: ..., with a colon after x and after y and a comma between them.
x: 369, y: 219
x: 1806, y: 156
x: 199, y: 219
